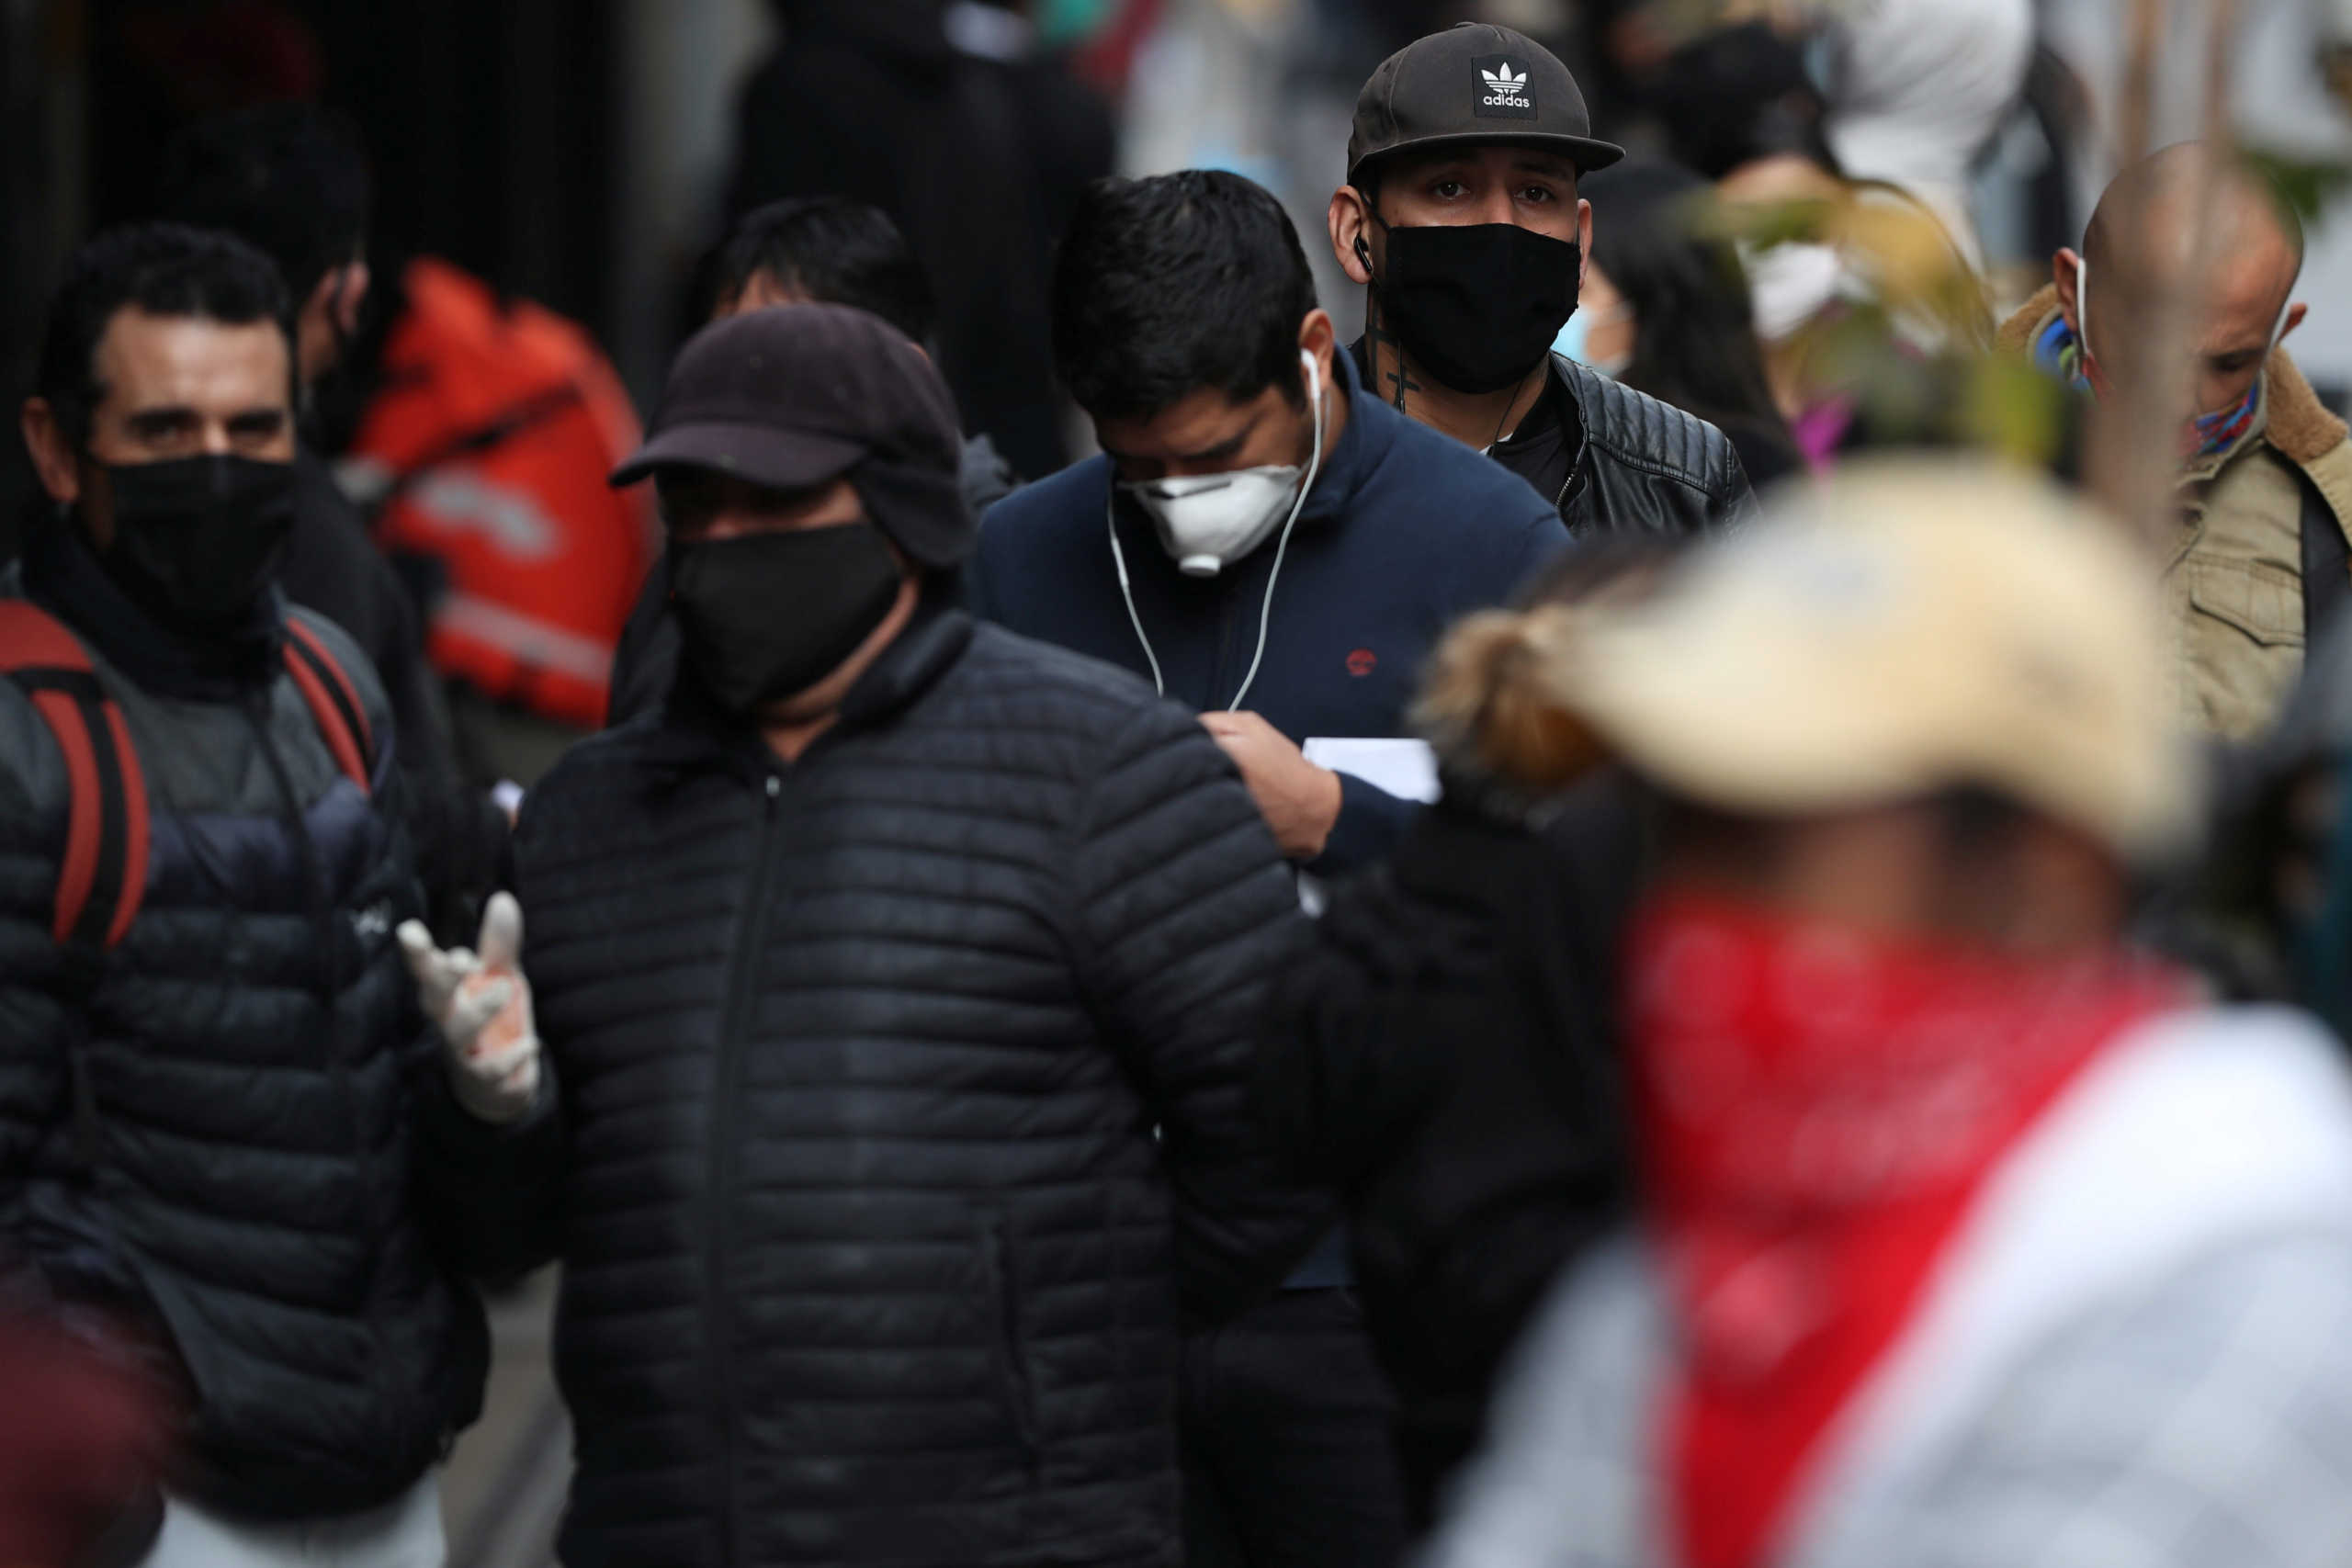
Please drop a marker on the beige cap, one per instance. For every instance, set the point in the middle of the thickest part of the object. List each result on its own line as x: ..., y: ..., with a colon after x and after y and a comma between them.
x: 1903, y: 628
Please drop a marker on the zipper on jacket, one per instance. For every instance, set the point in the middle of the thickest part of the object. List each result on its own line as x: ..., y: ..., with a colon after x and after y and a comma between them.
x: 1220, y: 685
x: 320, y: 897
x: 317, y: 898
x: 742, y: 974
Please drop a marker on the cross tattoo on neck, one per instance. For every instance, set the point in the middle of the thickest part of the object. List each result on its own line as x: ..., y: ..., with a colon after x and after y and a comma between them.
x: 1404, y: 382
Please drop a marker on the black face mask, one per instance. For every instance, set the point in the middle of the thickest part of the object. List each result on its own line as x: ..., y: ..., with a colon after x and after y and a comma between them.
x: 766, y: 615
x: 1477, y: 306
x: 198, y: 540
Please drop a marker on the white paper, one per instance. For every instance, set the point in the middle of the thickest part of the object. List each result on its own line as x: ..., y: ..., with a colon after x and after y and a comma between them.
x: 1405, y: 769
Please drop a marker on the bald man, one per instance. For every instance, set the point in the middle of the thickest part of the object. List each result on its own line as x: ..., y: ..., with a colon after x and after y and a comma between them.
x: 2261, y: 558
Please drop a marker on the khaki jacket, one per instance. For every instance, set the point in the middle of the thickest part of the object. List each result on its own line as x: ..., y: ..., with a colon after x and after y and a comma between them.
x: 2233, y: 579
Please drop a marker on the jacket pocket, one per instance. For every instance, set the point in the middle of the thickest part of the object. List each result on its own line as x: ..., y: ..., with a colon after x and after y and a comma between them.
x: 2263, y: 601
x: 206, y: 1387
x: 2243, y: 643
x: 1003, y: 1307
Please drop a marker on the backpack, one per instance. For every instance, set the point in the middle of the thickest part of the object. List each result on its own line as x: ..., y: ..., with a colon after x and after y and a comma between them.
x: 103, y: 876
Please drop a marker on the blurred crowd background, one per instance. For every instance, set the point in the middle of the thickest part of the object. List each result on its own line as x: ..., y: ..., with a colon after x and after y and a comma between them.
x: 586, y: 154
x: 559, y: 174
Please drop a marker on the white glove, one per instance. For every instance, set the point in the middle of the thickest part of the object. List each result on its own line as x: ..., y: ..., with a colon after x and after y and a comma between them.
x: 481, y: 1004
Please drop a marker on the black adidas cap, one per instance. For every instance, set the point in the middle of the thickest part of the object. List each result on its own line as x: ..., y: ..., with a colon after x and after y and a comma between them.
x: 1474, y: 81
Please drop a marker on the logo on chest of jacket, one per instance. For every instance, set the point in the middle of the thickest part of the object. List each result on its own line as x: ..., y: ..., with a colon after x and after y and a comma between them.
x: 1503, y: 88
x: 373, y: 923
x: 1363, y: 662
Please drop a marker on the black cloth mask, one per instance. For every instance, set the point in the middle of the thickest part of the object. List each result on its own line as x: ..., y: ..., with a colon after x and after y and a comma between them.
x: 1477, y: 305
x: 198, y: 540
x: 766, y: 615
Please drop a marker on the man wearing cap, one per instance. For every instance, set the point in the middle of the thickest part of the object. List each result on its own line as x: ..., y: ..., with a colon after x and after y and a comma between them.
x: 823, y: 250
x: 899, y: 976
x: 1970, y: 1235
x: 1461, y: 217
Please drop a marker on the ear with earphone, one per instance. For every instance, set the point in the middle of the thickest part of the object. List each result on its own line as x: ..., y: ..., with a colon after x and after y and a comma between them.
x: 1314, y: 368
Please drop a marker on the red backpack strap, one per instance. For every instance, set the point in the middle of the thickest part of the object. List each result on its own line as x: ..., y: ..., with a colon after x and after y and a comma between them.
x: 103, y: 874
x: 334, y: 702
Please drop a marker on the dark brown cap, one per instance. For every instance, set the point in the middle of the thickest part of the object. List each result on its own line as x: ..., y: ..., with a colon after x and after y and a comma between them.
x: 1474, y: 83
x: 795, y: 395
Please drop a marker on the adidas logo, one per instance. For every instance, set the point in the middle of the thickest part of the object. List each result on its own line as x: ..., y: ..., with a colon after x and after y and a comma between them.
x: 1502, y: 89
x: 1505, y: 89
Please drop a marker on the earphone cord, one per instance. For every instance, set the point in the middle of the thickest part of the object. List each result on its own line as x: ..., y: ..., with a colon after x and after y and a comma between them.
x: 1543, y: 364
x: 1266, y: 610
x: 1119, y: 559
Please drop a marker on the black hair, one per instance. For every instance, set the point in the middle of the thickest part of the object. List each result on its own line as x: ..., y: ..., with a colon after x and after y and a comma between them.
x: 1734, y: 95
x: 1694, y: 337
x: 289, y: 179
x: 835, y: 250
x: 1170, y: 285
x: 164, y: 270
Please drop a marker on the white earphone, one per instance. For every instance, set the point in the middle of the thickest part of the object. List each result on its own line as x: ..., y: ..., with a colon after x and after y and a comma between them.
x: 1266, y: 610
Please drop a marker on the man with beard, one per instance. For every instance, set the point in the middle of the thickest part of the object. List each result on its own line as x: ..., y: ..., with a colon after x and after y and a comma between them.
x: 1460, y: 219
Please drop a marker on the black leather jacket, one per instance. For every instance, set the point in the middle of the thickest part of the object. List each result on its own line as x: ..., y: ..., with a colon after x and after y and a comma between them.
x: 1626, y: 461
x: 1612, y: 459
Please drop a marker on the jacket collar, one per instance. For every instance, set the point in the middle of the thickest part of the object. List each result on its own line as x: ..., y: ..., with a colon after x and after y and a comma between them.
x: 933, y: 639
x: 1352, y: 459
x: 1562, y: 389
x: 2297, y: 425
x: 693, y: 734
x: 64, y: 576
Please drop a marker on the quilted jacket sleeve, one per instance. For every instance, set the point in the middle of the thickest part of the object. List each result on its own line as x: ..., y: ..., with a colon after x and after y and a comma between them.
x: 43, y: 1023
x: 1184, y: 909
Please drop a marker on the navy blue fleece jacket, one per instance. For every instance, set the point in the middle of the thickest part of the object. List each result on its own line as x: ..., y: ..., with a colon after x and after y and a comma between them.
x: 1404, y: 532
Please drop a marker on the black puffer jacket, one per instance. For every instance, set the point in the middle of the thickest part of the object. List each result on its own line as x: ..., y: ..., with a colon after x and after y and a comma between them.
x: 872, y: 1255
x: 257, y: 1081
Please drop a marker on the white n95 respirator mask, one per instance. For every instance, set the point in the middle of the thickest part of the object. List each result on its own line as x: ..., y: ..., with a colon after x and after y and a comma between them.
x: 1206, y: 522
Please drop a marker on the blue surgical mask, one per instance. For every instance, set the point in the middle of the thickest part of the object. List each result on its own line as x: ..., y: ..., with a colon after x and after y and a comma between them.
x: 1573, y: 340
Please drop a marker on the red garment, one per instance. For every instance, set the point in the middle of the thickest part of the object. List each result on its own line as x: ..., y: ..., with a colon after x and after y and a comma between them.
x: 81, y: 1438
x: 1818, y: 1110
x: 487, y: 445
